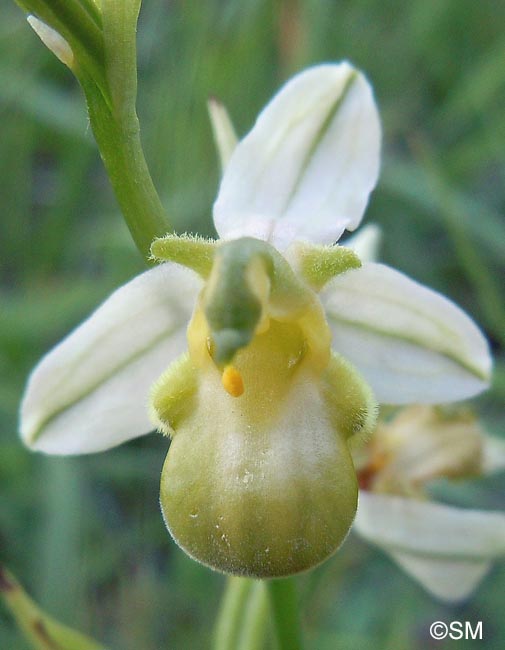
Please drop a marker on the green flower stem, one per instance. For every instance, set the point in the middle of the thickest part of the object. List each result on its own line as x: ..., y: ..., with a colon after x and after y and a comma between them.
x: 243, y: 619
x: 102, y: 38
x: 116, y: 128
x: 76, y: 18
x: 80, y: 25
x: 256, y: 614
x: 230, y: 615
x: 284, y: 606
x: 118, y: 139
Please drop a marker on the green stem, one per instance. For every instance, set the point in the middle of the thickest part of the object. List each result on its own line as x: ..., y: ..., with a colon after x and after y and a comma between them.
x: 243, y: 618
x: 78, y: 20
x: 284, y: 605
x: 254, y: 622
x: 123, y: 157
x: 104, y: 46
x: 230, y: 615
x: 79, y: 27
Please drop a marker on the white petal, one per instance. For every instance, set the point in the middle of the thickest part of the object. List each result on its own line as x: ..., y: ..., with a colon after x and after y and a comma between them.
x: 91, y: 391
x: 410, y: 343
x: 447, y: 549
x: 306, y: 169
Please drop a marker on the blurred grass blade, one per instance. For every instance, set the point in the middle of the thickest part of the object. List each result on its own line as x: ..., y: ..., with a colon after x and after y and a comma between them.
x: 43, y: 632
x: 478, y: 88
x: 472, y: 258
x: 31, y: 98
x: 408, y: 181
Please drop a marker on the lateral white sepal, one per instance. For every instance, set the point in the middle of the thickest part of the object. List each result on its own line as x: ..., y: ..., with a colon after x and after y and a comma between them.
x: 411, y: 344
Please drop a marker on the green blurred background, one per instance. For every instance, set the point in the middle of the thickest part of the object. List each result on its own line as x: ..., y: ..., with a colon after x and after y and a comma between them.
x: 85, y: 534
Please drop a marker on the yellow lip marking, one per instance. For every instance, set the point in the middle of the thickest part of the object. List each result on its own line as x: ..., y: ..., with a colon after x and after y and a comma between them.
x: 232, y: 381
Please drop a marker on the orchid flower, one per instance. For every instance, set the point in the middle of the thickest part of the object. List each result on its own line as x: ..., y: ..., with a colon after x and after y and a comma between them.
x: 447, y: 549
x: 283, y: 325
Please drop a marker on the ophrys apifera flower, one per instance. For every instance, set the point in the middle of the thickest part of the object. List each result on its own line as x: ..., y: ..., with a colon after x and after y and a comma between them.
x: 447, y: 549
x: 259, y: 479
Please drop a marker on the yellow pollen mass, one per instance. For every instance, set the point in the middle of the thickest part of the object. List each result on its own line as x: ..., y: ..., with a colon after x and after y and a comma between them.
x: 232, y: 381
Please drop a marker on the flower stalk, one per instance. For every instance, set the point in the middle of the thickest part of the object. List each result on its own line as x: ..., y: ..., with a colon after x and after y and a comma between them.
x: 242, y: 621
x: 248, y: 607
x: 117, y: 134
x: 286, y: 618
x: 102, y: 42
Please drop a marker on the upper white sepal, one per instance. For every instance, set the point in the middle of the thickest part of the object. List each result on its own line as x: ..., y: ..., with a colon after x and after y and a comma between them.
x: 306, y: 169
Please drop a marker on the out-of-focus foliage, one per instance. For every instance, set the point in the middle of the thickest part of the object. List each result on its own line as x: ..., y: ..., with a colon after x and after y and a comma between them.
x: 85, y: 534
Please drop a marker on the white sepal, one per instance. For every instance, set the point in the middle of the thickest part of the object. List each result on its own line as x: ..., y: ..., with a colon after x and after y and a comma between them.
x: 91, y: 391
x: 448, y: 550
x: 410, y: 343
x: 306, y: 169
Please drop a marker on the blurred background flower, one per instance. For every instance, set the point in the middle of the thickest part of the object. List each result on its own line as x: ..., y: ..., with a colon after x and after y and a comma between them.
x: 85, y: 535
x: 448, y: 550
